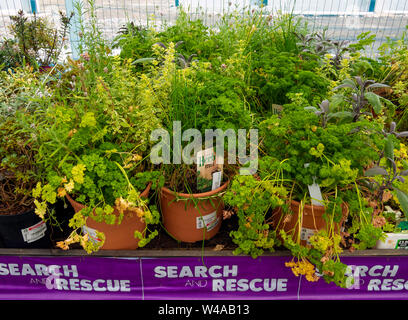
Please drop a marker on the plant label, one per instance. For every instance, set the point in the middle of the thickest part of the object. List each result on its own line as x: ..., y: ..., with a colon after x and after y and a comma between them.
x: 209, y: 170
x: 393, y: 241
x: 208, y: 221
x: 315, y: 192
x: 91, y: 234
x: 34, y: 232
x: 402, y: 244
x: 277, y: 109
x: 216, y: 181
x: 306, y: 233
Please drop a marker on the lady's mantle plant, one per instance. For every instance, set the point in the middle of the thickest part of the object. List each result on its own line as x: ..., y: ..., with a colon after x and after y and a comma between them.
x: 95, y: 141
x: 252, y: 198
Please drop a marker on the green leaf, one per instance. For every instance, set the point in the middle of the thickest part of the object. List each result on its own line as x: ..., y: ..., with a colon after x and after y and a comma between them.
x: 375, y: 171
x: 390, y: 106
x: 389, y: 148
x: 378, y: 85
x: 341, y: 115
x: 311, y: 108
x: 403, y: 200
x: 88, y: 120
x: 374, y: 100
x: 336, y: 100
x: 347, y: 83
x: 143, y: 60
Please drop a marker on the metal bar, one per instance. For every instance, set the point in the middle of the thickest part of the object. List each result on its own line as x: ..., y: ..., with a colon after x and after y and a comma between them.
x: 321, y: 18
x: 371, y: 8
x: 74, y: 29
x: 400, y: 22
x: 373, y: 17
x: 337, y: 16
x: 33, y: 4
x: 354, y: 18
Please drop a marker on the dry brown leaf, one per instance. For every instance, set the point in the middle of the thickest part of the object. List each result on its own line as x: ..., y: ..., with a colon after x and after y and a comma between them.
x: 219, y: 247
x: 387, y: 195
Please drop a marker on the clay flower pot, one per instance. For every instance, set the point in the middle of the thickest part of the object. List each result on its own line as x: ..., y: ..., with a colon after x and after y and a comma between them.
x: 117, y: 237
x: 192, y: 217
x: 311, y: 222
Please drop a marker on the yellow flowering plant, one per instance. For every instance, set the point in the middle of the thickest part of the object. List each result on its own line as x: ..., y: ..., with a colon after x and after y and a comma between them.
x: 312, y: 151
x: 95, y: 141
x: 252, y: 198
x: 319, y: 259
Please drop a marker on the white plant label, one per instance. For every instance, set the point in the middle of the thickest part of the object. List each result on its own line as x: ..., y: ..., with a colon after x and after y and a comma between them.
x: 34, y: 232
x: 216, y: 182
x: 306, y: 233
x: 93, y: 237
x: 315, y: 192
x: 209, y: 169
x: 208, y: 221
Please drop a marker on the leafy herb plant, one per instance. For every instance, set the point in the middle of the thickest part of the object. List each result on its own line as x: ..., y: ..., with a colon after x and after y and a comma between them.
x: 95, y: 142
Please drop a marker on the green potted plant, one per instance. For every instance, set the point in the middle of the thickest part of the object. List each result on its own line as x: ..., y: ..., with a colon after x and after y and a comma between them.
x: 36, y: 41
x: 198, y: 97
x: 10, y: 56
x: 252, y: 198
x: 191, y: 36
x: 322, y: 159
x: 21, y: 94
x: 389, y: 197
x: 95, y: 142
x: 394, y: 63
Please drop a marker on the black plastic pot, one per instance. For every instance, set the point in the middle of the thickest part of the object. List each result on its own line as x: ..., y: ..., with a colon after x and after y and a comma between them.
x: 63, y: 213
x: 25, y: 230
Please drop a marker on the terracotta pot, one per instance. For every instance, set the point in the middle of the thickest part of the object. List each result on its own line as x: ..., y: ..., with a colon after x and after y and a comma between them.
x: 183, y: 214
x: 117, y: 237
x: 312, y: 220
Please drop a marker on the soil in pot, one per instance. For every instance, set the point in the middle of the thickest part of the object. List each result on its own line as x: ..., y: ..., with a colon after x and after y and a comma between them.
x: 192, y: 217
x: 117, y: 236
x: 311, y: 222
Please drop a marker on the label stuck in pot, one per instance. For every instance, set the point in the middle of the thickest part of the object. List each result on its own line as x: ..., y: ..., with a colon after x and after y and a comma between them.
x: 34, y: 232
x: 209, y: 169
x: 306, y: 233
x: 208, y: 221
x: 91, y: 234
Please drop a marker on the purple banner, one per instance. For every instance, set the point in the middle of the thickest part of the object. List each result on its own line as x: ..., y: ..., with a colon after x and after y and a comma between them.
x: 215, y: 278
x: 69, y: 278
x: 192, y: 278
x: 371, y: 278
